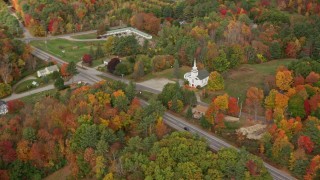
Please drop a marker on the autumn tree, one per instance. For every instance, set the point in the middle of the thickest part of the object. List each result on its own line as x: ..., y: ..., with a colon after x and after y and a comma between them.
x: 138, y: 70
x: 112, y: 64
x: 87, y: 59
x: 254, y: 99
x: 312, y: 77
x: 233, y: 107
x: 284, y: 80
x: 306, y: 143
x: 215, y: 81
x: 5, y: 69
x: 161, y: 128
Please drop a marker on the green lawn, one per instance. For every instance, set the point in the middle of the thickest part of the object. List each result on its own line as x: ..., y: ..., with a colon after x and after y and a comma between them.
x: 85, y: 36
x: 31, y: 99
x: 27, y: 85
x: 74, y: 50
x: 167, y: 73
x: 238, y: 80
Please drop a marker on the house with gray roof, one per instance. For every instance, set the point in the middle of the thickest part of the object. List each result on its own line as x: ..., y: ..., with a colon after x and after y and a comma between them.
x: 48, y: 70
x: 197, y: 78
x: 3, y: 107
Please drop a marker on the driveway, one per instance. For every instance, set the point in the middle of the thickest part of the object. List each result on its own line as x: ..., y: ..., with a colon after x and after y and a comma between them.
x: 156, y: 84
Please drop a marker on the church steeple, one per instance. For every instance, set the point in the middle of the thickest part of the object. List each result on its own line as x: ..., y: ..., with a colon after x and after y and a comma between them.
x: 194, y: 71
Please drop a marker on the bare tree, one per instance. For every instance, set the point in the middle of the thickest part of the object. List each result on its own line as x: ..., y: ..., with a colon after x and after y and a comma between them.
x: 5, y: 69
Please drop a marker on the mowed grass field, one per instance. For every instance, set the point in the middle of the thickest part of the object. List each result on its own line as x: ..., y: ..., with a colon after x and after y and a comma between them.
x: 73, y: 50
x: 238, y: 80
x: 167, y: 73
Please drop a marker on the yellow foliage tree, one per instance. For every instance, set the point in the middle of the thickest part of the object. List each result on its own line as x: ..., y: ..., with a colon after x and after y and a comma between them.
x: 281, y: 101
x: 215, y: 82
x: 108, y: 177
x: 284, y: 80
x: 222, y: 102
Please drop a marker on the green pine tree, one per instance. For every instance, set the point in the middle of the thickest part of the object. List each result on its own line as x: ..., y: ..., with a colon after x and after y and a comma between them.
x: 176, y: 71
x: 189, y: 113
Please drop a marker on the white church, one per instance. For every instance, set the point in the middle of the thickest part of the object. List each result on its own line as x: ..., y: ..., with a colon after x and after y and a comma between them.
x: 197, y: 78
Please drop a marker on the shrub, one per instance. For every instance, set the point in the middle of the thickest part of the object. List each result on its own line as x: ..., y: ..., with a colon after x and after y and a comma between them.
x: 87, y: 59
x: 112, y: 64
x: 5, y: 90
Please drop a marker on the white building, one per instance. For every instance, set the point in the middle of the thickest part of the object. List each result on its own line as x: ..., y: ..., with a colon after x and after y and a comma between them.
x: 48, y: 70
x: 197, y: 78
x: 3, y: 107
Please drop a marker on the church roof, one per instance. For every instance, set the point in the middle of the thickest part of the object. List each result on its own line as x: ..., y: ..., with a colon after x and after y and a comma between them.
x: 203, y: 74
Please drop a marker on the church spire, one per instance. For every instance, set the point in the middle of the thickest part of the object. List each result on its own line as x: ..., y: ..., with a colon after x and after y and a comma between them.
x: 194, y: 71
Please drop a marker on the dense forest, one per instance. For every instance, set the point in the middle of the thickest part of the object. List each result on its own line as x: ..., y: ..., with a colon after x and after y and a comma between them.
x: 103, y: 132
x: 16, y: 61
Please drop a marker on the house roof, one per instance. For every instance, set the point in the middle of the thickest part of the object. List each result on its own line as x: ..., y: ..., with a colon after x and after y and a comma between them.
x: 2, y: 103
x: 202, y: 74
x: 53, y: 68
x: 200, y: 108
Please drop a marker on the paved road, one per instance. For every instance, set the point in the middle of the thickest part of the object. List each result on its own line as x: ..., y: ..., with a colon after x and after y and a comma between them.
x: 28, y: 93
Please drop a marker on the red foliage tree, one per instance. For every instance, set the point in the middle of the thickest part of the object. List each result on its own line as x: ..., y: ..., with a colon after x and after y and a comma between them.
x: 4, y: 175
x: 63, y: 70
x: 15, y: 105
x: 291, y: 50
x: 223, y: 11
x: 307, y: 107
x: 298, y: 80
x: 306, y: 143
x: 112, y: 64
x: 7, y: 152
x: 314, y: 102
x: 312, y: 78
x: 86, y: 58
x: 233, y: 107
x: 219, y: 121
x: 252, y: 167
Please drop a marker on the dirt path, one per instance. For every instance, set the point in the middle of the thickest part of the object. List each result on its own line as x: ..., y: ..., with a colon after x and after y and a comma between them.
x: 61, y: 174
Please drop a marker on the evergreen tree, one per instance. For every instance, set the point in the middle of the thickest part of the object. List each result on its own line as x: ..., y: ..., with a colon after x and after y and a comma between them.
x: 176, y: 70
x: 221, y: 62
x: 99, y: 52
x: 275, y: 50
x: 130, y: 91
x: 189, y: 113
x: 91, y: 52
x: 204, y: 123
x: 72, y: 69
x: 316, y: 50
x: 59, y: 84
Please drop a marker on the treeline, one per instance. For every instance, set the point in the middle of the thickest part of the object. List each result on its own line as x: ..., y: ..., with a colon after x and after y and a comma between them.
x: 103, y: 132
x: 16, y: 61
x: 8, y: 20
x: 60, y: 16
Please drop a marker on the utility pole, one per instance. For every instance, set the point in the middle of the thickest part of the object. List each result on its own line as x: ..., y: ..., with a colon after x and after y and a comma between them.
x: 46, y: 40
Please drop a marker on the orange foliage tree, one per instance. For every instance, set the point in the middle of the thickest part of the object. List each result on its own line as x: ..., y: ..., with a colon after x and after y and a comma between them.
x: 284, y: 80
